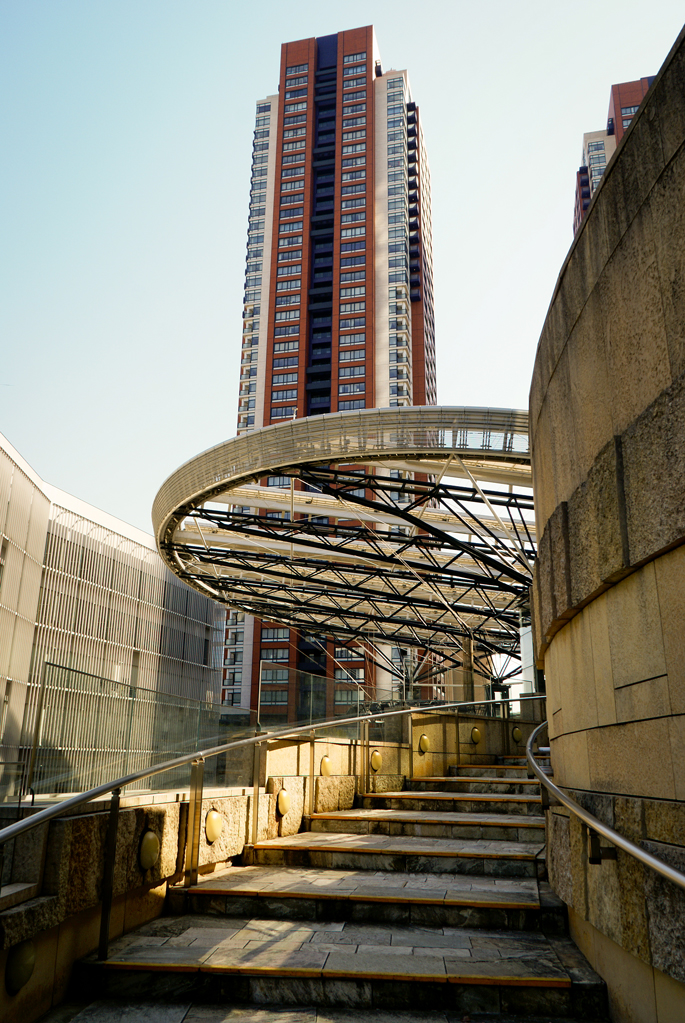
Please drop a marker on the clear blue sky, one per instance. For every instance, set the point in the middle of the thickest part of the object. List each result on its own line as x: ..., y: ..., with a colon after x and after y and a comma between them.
x: 126, y: 129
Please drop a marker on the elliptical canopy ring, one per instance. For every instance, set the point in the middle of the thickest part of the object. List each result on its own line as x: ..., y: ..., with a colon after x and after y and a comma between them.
x: 412, y: 526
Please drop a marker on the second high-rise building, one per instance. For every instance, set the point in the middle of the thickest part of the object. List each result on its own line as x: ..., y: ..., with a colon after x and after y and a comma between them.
x: 338, y: 305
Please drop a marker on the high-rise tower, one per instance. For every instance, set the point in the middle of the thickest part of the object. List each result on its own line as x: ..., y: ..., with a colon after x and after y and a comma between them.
x: 338, y: 307
x: 599, y: 146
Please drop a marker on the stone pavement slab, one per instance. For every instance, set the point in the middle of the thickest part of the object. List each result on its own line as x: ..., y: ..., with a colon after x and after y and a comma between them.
x: 402, y: 844
x: 160, y: 1012
x: 380, y: 886
x: 351, y: 950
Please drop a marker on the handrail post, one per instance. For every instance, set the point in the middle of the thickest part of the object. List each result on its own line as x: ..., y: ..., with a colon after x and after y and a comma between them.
x: 367, y: 774
x: 108, y: 873
x: 410, y: 718
x: 197, y: 769
x: 36, y: 730
x: 456, y: 725
x: 312, y: 754
x: 256, y: 762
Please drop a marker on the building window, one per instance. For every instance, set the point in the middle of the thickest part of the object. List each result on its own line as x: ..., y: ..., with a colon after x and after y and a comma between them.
x: 345, y: 406
x: 284, y: 395
x: 352, y: 388
x: 274, y: 674
x: 296, y: 69
x: 286, y: 228
x: 279, y: 696
x: 279, y: 653
x: 629, y: 111
x: 351, y: 356
x: 271, y: 634
x: 346, y: 674
x: 263, y: 108
x: 278, y: 481
x: 343, y: 653
x: 347, y: 696
x: 352, y: 371
x: 283, y: 378
x: 353, y: 58
x: 354, y: 83
x: 284, y: 412
x: 231, y: 698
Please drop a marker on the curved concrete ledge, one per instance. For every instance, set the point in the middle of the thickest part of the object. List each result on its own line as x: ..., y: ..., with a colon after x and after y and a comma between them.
x: 607, y: 402
x: 607, y: 414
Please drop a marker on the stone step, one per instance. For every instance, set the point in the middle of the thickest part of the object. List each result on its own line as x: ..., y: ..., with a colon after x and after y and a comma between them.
x: 425, y: 824
x: 522, y: 761
x: 453, y: 801
x: 403, y: 853
x: 346, y: 964
x: 425, y: 900
x: 110, y: 1011
x: 512, y: 771
x: 478, y: 783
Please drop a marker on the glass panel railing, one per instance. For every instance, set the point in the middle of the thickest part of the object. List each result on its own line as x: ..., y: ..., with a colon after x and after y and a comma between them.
x: 288, y: 696
x: 91, y: 729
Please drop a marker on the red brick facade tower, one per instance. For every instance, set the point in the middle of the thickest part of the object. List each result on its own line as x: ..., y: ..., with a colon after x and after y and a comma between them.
x: 338, y: 310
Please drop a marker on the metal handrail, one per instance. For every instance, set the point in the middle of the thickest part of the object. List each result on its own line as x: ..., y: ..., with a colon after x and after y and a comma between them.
x: 197, y: 760
x: 20, y: 827
x: 670, y: 873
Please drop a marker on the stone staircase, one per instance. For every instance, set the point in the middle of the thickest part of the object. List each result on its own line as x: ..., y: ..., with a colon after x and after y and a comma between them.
x: 429, y: 899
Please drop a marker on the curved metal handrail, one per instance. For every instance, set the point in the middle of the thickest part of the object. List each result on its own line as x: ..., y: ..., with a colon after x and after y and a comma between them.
x: 50, y: 812
x: 592, y: 822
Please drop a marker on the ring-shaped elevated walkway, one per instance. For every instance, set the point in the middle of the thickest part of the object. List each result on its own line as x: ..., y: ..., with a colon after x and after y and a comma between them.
x: 407, y: 525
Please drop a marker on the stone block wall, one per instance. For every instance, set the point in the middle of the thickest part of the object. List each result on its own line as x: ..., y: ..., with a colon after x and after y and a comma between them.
x: 607, y: 422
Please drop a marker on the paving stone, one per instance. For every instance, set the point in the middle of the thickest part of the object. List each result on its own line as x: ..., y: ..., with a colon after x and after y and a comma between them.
x: 162, y: 956
x: 248, y: 1014
x: 138, y: 1012
x: 383, y: 965
x: 265, y: 958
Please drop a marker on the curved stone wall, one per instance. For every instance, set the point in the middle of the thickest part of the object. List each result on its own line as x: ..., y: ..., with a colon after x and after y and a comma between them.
x: 607, y: 427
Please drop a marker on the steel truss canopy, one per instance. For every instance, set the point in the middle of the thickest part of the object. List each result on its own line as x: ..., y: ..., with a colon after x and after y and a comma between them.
x: 409, y: 526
